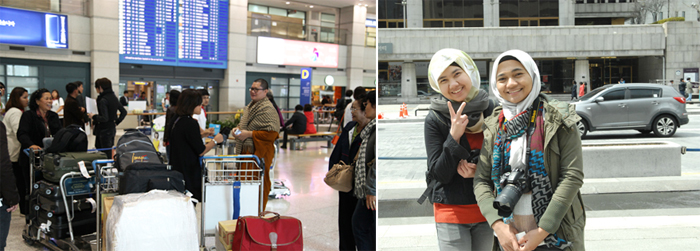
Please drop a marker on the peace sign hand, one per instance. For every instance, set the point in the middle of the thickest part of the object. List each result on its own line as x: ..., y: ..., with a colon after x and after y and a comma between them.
x: 459, y: 121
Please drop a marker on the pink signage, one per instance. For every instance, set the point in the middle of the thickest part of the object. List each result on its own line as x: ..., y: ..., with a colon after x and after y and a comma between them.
x: 299, y: 53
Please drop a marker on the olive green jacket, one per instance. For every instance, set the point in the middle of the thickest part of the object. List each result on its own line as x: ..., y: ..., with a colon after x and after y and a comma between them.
x: 563, y: 163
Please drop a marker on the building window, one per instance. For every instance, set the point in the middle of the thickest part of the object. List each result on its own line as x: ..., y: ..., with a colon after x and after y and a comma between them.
x: 327, y: 28
x: 390, y: 14
x: 529, y: 13
x: 370, y: 37
x: 453, y: 13
x: 276, y: 22
x: 22, y: 76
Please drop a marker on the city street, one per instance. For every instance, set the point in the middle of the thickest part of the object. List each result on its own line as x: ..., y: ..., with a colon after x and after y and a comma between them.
x: 622, y: 218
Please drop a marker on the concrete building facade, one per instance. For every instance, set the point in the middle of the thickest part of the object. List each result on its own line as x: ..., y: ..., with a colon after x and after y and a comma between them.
x: 592, y: 41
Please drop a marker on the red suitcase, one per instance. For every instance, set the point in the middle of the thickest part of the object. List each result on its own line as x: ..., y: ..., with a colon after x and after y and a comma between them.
x: 278, y: 233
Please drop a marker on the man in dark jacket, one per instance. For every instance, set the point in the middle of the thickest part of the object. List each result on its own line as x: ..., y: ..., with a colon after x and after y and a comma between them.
x: 72, y: 112
x: 106, y: 121
x: 297, y: 122
x: 9, y: 196
x: 124, y: 100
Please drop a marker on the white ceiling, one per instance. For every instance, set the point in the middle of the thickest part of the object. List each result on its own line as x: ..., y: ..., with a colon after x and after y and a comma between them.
x: 318, y: 5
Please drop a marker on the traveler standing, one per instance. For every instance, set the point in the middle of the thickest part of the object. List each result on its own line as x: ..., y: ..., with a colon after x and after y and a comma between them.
x: 164, y: 103
x: 356, y: 94
x: 57, y: 104
x: 201, y: 117
x: 533, y: 141
x: 106, y: 121
x: 124, y: 100
x: 74, y: 114
x: 451, y: 140
x: 9, y: 197
x: 689, y: 89
x: 364, y: 218
x: 259, y: 128
x: 170, y: 116
x: 574, y: 92
x: 35, y: 125
x: 19, y: 99
x: 295, y: 125
x: 345, y: 150
x: 186, y: 144
x: 2, y: 94
x: 582, y: 90
x: 682, y: 85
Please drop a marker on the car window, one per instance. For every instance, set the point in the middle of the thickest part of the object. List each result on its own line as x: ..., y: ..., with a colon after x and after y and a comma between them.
x: 645, y: 93
x: 614, y: 95
x: 594, y: 92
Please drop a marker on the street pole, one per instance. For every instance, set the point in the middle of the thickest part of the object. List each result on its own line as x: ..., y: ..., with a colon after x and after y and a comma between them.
x: 405, y: 18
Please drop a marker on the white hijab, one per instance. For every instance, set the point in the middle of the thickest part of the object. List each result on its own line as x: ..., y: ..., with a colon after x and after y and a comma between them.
x: 518, y: 147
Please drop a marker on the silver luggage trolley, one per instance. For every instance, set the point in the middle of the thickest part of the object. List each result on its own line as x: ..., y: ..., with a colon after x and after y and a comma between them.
x: 106, y: 182
x: 79, y: 185
x: 228, y: 188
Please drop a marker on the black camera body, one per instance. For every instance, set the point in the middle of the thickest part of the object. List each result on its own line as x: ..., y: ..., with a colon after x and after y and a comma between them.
x: 514, y: 184
x: 474, y: 156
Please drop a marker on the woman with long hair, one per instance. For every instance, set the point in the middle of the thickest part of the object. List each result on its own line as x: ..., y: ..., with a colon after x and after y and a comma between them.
x: 57, y: 103
x: 186, y: 142
x: 169, y: 117
x: 453, y: 137
x: 35, y: 125
x: 16, y: 104
x: 530, y: 169
x: 346, y: 148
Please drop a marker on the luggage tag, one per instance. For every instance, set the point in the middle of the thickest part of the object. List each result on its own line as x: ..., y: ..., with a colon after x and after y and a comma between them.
x: 236, y: 199
x: 83, y: 170
x: 93, y: 203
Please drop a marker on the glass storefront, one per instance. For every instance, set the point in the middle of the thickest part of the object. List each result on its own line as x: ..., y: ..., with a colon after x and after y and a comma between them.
x: 35, y: 74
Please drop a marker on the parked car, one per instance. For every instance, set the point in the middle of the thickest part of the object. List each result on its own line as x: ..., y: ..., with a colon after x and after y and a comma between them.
x: 640, y: 106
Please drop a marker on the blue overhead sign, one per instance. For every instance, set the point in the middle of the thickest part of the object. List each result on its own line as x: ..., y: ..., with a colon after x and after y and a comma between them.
x: 23, y: 27
x: 305, y: 95
x: 371, y: 23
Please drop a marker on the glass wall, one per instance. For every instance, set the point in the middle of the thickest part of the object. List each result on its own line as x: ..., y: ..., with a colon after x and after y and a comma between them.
x: 276, y: 22
x: 390, y: 14
x: 529, y: 13
x: 35, y: 74
x: 453, y: 13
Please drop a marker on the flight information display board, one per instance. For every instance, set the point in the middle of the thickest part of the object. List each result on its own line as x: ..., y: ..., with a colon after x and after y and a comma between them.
x: 191, y: 33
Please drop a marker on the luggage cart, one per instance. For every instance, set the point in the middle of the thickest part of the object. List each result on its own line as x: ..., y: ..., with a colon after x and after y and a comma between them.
x: 223, y: 183
x: 33, y: 234
x: 278, y: 190
x: 106, y: 182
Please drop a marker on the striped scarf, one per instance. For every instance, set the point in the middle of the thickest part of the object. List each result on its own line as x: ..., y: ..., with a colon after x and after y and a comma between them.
x: 258, y: 116
x: 536, y: 173
x: 360, y: 168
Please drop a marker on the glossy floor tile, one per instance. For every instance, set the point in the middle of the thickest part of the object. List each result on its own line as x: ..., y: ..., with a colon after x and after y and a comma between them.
x: 311, y: 201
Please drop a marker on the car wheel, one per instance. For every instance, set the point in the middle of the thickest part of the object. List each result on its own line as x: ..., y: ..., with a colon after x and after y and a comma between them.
x: 582, y: 128
x: 645, y: 132
x: 664, y: 126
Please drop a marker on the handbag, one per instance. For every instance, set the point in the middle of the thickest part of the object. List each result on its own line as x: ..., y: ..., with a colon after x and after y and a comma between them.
x: 340, y: 177
x: 262, y: 233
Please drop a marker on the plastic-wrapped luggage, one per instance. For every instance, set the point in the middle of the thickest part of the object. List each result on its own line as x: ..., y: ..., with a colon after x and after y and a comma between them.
x: 157, y: 220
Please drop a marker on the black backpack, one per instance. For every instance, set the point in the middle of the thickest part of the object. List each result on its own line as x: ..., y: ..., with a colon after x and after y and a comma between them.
x: 144, y: 177
x: 135, y: 147
x: 69, y: 139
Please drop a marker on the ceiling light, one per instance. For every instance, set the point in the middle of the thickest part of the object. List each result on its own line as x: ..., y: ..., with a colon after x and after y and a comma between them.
x: 287, y: 2
x: 365, y: 5
x: 311, y: 6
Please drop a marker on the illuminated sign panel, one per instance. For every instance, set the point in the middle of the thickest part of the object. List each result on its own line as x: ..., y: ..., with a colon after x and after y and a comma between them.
x: 298, y: 53
x: 23, y: 27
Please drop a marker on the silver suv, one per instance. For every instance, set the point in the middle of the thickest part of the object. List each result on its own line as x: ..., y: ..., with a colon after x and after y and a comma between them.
x: 642, y: 107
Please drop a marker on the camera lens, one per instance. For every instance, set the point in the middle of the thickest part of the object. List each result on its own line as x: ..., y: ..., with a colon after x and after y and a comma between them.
x: 505, y: 202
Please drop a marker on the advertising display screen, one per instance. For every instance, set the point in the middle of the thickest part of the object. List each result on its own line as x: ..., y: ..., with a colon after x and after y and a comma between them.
x: 23, y: 27
x: 192, y: 33
x: 299, y: 53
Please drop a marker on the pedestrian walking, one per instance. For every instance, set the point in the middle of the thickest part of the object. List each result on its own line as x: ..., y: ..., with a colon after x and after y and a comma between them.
x: 452, y: 142
x: 681, y: 87
x: 530, y: 170
x: 574, y: 92
x: 582, y: 90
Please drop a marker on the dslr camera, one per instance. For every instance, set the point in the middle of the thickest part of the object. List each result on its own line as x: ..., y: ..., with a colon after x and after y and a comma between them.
x: 474, y: 156
x: 514, y: 184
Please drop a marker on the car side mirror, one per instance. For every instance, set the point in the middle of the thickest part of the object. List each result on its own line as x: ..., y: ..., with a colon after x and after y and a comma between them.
x: 599, y: 99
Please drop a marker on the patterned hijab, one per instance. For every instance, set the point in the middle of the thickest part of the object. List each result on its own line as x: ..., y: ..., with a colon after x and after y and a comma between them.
x: 257, y: 116
x: 518, y: 149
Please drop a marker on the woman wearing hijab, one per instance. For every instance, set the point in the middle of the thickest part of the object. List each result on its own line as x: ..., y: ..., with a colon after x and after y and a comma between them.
x: 451, y: 139
x: 533, y: 142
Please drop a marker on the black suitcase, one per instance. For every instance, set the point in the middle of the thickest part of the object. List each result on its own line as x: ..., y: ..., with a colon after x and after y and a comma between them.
x: 78, y: 185
x: 84, y: 222
x: 143, y: 177
x: 56, y: 205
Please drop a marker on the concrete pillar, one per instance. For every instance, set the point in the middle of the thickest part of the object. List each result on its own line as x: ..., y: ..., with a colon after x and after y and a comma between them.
x: 491, y: 13
x: 409, y: 86
x: 352, y: 19
x: 567, y: 13
x: 232, y: 90
x: 104, y: 40
x: 414, y: 14
x: 581, y: 73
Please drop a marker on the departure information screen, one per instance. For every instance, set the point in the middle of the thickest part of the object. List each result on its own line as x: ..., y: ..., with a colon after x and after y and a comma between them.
x: 191, y: 33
